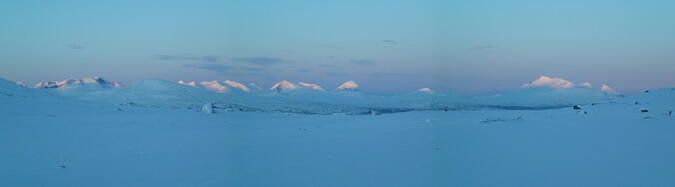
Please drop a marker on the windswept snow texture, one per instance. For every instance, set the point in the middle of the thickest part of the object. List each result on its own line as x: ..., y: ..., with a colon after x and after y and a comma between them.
x: 51, y: 140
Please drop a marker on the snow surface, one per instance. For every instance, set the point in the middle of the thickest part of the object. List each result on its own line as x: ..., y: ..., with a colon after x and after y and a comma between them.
x: 151, y: 133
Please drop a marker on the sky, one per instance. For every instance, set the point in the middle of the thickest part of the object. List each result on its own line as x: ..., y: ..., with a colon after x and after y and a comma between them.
x: 394, y: 46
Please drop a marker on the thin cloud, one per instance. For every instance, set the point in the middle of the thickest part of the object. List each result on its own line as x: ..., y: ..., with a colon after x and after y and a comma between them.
x: 210, y: 58
x: 389, y: 41
x: 480, y: 48
x: 362, y: 62
x: 336, y: 74
x: 260, y: 61
x: 75, y: 46
x: 385, y: 74
x: 331, y: 66
x: 304, y: 70
x: 222, y: 69
x: 330, y: 46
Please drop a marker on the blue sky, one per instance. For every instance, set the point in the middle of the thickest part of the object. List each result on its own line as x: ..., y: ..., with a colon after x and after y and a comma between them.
x: 391, y: 46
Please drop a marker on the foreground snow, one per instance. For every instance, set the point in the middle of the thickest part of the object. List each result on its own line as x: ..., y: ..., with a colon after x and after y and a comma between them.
x: 54, y: 142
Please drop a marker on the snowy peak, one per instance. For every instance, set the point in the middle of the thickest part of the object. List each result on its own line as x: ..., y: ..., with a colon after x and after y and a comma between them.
x: 545, y: 81
x: 284, y: 86
x: 426, y: 90
x: 586, y: 84
x: 311, y: 86
x: 560, y: 84
x: 609, y: 90
x: 348, y: 86
x: 191, y: 83
x: 606, y: 88
x: 96, y: 81
x: 214, y: 86
x: 48, y: 84
x: 234, y: 84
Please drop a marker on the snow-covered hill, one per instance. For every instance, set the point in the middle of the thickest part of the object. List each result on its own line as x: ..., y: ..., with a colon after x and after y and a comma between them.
x: 311, y: 86
x: 284, y: 86
x: 13, y: 89
x: 547, y: 91
x: 348, y: 86
x: 87, y: 82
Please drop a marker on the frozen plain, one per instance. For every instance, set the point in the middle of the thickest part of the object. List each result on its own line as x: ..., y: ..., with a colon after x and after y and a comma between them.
x: 54, y: 140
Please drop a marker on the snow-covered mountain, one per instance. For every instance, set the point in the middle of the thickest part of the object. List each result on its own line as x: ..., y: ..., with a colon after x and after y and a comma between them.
x: 191, y: 83
x: 586, y: 84
x: 348, y: 86
x: 548, y: 91
x: 609, y: 90
x: 306, y: 98
x: 545, y: 81
x: 284, y: 86
x: 214, y: 86
x: 238, y: 85
x: 311, y: 86
x: 559, y: 83
x: 87, y: 82
x: 426, y: 90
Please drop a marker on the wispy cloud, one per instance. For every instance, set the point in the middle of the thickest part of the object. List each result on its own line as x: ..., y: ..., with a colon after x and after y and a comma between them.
x: 336, y: 74
x: 210, y: 58
x: 480, y: 47
x: 304, y: 70
x: 330, y: 46
x: 222, y: 69
x: 332, y: 66
x: 389, y: 41
x: 362, y: 62
x: 260, y: 61
x: 75, y: 46
x: 391, y: 74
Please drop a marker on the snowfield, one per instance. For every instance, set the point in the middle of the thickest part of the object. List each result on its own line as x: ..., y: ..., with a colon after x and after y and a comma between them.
x: 152, y: 133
